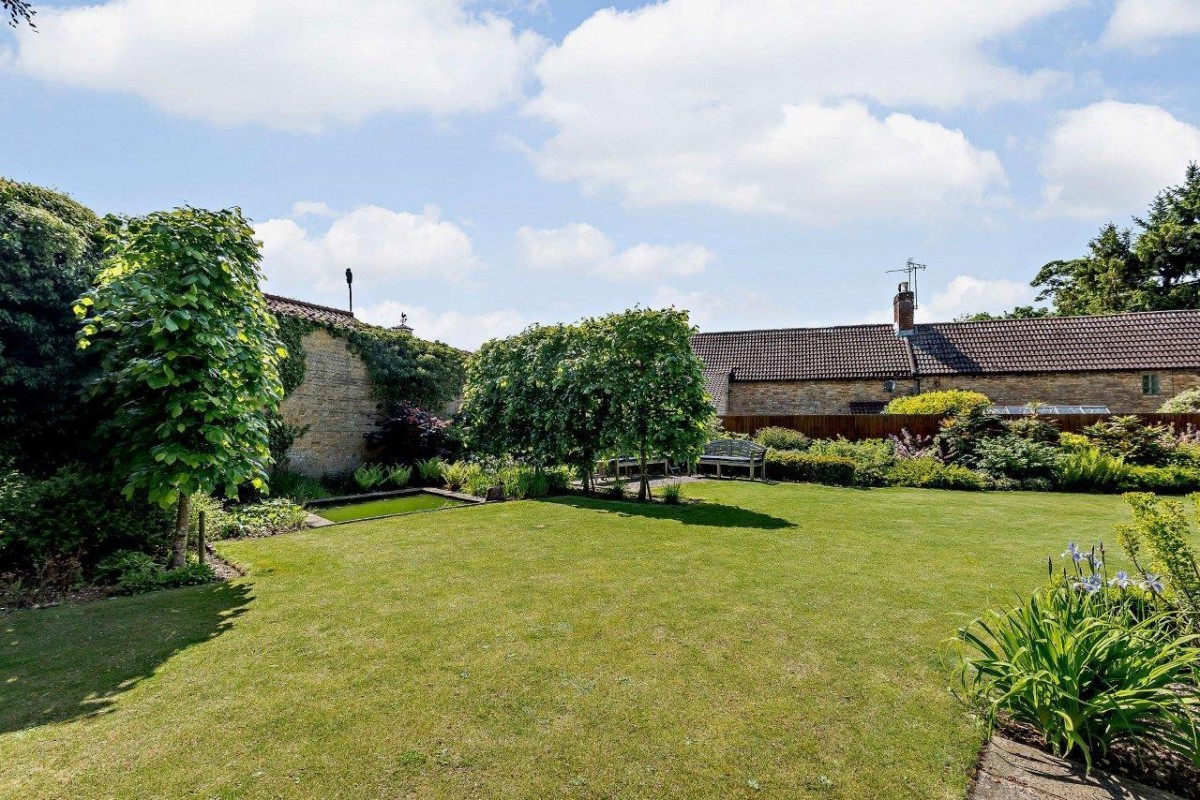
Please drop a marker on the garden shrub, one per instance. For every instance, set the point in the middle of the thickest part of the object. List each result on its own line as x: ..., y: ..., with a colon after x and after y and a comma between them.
x: 1016, y: 458
x: 1171, y: 479
x: 399, y: 475
x: 951, y: 401
x: 782, y: 439
x: 1132, y: 439
x: 131, y: 572
x: 961, y: 435
x: 75, y: 513
x: 872, y: 457
x: 788, y: 465
x: 1089, y: 469
x: 407, y: 433
x: 1071, y: 442
x: 458, y: 473
x: 1035, y: 429
x: 672, y: 493
x: 297, y: 487
x: 1159, y: 536
x: 1084, y: 672
x: 929, y: 473
x: 1186, y: 402
x: 262, y: 519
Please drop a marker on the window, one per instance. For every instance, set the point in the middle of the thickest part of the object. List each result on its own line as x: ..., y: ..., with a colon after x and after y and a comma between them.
x: 1150, y: 385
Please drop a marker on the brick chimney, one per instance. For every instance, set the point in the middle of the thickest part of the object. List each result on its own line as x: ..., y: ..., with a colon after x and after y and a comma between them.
x: 904, y: 307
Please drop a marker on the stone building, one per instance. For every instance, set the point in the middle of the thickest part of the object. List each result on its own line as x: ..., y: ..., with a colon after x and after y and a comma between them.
x: 1127, y: 362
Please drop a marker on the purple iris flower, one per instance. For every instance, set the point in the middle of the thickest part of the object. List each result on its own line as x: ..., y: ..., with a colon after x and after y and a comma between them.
x: 1153, y: 582
x: 1090, y: 584
x: 1122, y: 580
x: 1075, y: 553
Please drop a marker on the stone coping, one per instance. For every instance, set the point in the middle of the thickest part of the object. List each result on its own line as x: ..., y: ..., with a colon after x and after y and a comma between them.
x: 1009, y: 770
x: 359, y: 498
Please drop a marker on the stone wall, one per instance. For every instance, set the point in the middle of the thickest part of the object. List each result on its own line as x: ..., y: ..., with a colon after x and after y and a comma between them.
x: 1120, y: 391
x: 335, y: 402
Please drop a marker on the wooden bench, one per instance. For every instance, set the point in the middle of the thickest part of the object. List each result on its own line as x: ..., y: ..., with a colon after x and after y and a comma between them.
x: 735, y: 453
x: 629, y: 463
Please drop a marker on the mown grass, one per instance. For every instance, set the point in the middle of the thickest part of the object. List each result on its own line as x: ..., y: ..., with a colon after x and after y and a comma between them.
x: 774, y: 641
x: 390, y: 505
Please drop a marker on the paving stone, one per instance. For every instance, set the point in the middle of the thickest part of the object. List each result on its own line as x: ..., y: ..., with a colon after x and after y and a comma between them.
x: 1013, y: 771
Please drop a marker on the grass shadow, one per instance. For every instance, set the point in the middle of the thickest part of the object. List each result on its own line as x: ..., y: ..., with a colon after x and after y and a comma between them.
x: 65, y: 663
x: 714, y: 515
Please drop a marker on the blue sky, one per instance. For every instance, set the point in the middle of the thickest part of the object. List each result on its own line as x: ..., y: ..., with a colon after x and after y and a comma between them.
x: 486, y: 165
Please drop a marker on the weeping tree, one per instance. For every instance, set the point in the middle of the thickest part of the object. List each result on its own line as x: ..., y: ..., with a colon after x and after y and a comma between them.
x: 659, y: 403
x: 191, y: 357
x: 568, y: 394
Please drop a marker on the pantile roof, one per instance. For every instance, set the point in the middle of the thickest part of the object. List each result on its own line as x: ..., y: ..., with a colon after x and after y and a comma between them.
x: 312, y: 312
x: 1133, y: 341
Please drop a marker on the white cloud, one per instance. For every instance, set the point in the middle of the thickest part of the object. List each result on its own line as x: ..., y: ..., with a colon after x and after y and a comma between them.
x: 1112, y: 158
x: 1140, y: 24
x: 386, y: 249
x: 967, y: 295
x: 292, y: 64
x: 584, y: 248
x: 730, y: 308
x: 306, y: 208
x: 467, y: 331
x: 767, y: 106
x: 574, y: 246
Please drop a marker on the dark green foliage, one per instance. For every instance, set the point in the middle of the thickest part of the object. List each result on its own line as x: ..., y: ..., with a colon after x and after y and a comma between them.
x: 1131, y: 439
x: 75, y: 514
x: 280, y: 438
x: 132, y: 572
x: 1156, y: 270
x: 50, y: 249
x: 782, y: 439
x: 961, y: 435
x: 406, y: 369
x: 929, y: 473
x: 293, y: 368
x: 1020, y: 312
x: 191, y: 356
x: 872, y: 457
x: 1035, y: 429
x: 1171, y: 479
x: 294, y: 486
x: 1085, y: 673
x: 787, y: 465
x: 1013, y: 457
x: 1089, y: 470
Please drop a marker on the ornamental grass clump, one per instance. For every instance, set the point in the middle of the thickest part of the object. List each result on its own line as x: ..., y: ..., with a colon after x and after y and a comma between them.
x: 1088, y: 661
x: 672, y: 493
x: 369, y: 476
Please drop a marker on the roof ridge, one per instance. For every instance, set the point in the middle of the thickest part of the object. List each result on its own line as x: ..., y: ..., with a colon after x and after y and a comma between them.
x: 799, y: 328
x: 1067, y: 317
x: 340, y: 311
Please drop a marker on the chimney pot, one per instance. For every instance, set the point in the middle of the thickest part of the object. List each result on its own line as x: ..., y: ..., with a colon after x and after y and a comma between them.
x: 904, y: 308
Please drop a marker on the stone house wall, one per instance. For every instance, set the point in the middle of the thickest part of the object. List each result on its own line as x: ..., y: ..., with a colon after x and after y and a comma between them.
x: 335, y: 402
x: 1120, y: 391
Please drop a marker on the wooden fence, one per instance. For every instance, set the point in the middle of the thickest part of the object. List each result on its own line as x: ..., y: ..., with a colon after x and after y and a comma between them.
x: 879, y: 426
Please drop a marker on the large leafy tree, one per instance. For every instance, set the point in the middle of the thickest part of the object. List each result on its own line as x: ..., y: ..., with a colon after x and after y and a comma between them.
x: 50, y: 248
x: 659, y: 403
x: 191, y: 357
x: 1156, y: 269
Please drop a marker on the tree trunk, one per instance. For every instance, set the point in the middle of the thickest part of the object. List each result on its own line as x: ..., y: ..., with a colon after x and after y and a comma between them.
x: 644, y: 484
x: 183, y: 513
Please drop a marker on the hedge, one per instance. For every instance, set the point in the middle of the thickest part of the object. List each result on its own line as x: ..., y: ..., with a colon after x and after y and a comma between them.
x: 789, y: 465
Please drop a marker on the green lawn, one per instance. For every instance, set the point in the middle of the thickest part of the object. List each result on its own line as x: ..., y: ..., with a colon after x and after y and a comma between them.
x: 777, y: 641
x: 390, y: 505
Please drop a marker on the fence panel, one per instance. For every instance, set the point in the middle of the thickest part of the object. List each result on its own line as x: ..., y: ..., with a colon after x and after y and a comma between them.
x: 878, y: 426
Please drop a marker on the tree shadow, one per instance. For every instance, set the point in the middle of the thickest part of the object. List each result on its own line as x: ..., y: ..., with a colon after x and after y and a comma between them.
x: 706, y: 513
x: 61, y: 664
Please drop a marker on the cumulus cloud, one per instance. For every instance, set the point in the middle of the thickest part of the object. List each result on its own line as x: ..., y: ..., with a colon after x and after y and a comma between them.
x: 967, y: 295
x: 457, y: 328
x: 1141, y: 24
x: 292, y: 64
x: 731, y: 308
x: 1112, y: 158
x: 584, y: 248
x: 766, y: 106
x: 386, y: 249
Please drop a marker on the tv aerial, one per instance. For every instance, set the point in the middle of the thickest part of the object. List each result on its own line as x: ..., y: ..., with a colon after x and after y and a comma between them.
x: 911, y: 268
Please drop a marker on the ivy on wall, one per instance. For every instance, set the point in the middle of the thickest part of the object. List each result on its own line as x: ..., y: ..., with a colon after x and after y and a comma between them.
x: 294, y: 367
x: 402, y: 367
